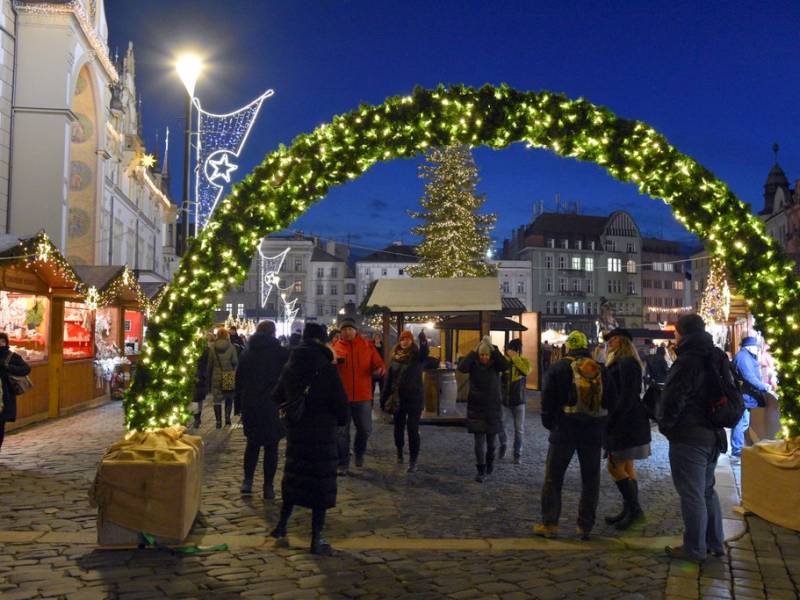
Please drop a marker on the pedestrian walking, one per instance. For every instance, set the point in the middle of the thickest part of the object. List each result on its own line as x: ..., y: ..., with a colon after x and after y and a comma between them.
x: 403, y: 394
x: 237, y: 340
x: 11, y: 364
x: 748, y: 369
x: 484, y: 404
x: 628, y: 435
x: 514, y: 397
x: 694, y: 443
x: 202, y: 385
x: 222, y: 361
x: 256, y: 376
x: 547, y: 353
x: 377, y: 380
x: 657, y: 366
x: 309, y: 477
x: 356, y: 361
x: 577, y: 397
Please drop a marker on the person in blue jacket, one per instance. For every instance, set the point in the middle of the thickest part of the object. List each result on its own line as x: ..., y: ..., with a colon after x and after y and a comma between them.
x: 746, y: 363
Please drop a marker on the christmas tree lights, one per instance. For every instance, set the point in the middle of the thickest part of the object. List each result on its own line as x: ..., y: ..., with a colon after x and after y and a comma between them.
x: 291, y: 179
x: 455, y: 238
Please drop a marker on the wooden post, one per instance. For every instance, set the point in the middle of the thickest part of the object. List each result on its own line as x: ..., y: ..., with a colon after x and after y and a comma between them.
x: 401, y: 321
x: 55, y: 356
x: 486, y: 322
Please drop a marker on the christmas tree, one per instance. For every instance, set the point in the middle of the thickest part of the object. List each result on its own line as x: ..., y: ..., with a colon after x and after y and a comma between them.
x: 455, y: 238
x: 716, y: 301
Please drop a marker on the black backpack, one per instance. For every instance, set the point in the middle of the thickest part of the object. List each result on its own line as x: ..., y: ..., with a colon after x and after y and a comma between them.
x: 726, y: 403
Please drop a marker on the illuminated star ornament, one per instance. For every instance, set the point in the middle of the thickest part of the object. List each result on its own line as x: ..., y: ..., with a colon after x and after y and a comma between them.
x: 270, y: 267
x: 220, y: 142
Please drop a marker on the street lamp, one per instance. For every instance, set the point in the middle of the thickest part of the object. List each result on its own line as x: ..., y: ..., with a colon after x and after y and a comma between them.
x: 189, y: 67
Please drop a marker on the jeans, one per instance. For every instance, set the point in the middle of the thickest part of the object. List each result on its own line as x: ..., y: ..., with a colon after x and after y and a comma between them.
x: 519, y: 427
x: 402, y: 418
x: 251, y: 453
x: 484, y: 447
x: 737, y: 433
x: 693, y: 476
x: 359, y: 413
x: 558, y: 458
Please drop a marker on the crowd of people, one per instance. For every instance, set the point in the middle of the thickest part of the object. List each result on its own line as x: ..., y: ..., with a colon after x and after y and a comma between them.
x: 320, y: 390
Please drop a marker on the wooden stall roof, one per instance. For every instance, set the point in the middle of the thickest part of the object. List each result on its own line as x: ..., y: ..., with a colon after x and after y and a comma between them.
x: 472, y: 323
x: 152, y: 289
x: 104, y: 277
x: 437, y: 295
x: 513, y: 306
x: 37, y: 254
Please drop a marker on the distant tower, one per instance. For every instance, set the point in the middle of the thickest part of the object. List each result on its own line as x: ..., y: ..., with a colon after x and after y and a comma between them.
x: 775, y: 180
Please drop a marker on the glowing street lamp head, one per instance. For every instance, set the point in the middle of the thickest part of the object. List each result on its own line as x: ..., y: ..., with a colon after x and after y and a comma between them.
x: 189, y: 67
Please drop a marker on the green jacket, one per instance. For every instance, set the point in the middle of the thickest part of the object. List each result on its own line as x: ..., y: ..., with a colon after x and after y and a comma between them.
x: 514, y: 380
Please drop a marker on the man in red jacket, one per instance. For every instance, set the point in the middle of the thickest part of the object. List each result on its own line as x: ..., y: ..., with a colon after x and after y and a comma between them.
x: 356, y: 360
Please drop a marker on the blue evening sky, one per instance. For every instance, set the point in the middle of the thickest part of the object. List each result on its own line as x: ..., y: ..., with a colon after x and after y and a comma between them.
x: 719, y: 79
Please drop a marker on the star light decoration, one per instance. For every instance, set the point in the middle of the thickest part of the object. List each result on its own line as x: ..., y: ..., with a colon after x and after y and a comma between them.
x: 220, y: 140
x: 270, y: 267
x: 291, y: 179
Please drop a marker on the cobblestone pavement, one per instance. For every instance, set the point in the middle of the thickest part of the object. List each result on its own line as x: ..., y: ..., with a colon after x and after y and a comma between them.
x: 432, y: 534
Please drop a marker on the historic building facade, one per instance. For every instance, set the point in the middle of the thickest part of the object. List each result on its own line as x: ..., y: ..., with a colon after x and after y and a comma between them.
x: 665, y: 289
x: 78, y: 166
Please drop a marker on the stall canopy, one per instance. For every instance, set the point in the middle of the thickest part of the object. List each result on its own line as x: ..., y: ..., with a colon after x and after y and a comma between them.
x: 436, y: 295
x: 154, y: 291
x: 113, y: 284
x: 38, y: 254
x: 472, y: 323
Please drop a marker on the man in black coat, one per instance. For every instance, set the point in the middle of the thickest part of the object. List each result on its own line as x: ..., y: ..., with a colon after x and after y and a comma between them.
x: 570, y: 432
x: 694, y: 443
x: 259, y: 369
x: 11, y: 363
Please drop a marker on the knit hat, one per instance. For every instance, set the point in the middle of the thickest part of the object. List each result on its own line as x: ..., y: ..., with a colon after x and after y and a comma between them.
x: 515, y: 345
x: 347, y: 322
x: 619, y: 331
x: 577, y: 340
x: 407, y: 335
x: 485, y: 347
x: 749, y: 341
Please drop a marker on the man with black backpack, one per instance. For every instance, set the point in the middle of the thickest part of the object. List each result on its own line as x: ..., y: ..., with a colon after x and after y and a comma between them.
x: 700, y: 397
x: 577, y: 397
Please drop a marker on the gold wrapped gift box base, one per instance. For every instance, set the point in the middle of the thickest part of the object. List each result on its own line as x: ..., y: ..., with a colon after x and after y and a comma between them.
x: 771, y: 481
x: 148, y: 482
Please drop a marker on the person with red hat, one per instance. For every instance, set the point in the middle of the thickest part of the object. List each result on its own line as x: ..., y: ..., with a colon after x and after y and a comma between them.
x: 402, y: 393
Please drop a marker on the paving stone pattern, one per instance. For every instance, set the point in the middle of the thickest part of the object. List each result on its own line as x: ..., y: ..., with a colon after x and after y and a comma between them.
x: 45, y: 472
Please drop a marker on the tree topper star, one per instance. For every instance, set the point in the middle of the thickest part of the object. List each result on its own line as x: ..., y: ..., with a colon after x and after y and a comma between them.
x: 222, y: 168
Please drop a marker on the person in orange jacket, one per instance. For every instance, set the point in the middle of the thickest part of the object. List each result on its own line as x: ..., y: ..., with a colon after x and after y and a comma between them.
x: 356, y: 361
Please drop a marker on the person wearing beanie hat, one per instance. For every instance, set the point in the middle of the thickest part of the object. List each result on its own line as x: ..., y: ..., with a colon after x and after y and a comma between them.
x: 576, y: 397
x: 617, y: 332
x: 753, y: 389
x: 514, y: 397
x: 484, y: 404
x: 356, y: 361
x: 628, y: 432
x: 403, y: 394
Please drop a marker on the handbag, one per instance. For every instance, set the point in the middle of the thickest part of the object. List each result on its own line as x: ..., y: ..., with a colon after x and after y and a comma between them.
x: 228, y: 377
x: 651, y: 398
x: 19, y: 384
x: 290, y: 412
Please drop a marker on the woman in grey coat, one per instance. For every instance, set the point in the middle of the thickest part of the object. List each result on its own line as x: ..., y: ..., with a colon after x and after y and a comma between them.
x: 222, y: 362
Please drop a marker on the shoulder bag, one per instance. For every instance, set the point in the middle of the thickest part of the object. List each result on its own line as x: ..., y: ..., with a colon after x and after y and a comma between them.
x: 19, y: 384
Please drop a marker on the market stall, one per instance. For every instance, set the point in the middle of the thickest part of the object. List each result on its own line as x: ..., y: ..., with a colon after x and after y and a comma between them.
x: 36, y: 283
x: 120, y: 323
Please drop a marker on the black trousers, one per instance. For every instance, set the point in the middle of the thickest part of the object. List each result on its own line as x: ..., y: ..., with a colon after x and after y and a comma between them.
x: 251, y: 453
x: 2, y: 431
x: 404, y: 418
x: 558, y: 459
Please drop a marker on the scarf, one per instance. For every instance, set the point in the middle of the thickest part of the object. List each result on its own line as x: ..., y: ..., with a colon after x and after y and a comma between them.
x: 402, y: 355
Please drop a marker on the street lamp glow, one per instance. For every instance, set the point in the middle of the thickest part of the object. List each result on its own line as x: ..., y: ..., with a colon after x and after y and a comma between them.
x: 189, y: 67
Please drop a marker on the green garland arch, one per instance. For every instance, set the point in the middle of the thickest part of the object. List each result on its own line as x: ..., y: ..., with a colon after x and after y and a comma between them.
x: 290, y: 180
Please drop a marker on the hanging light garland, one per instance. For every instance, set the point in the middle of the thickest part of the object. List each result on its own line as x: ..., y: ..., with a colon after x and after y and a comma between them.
x: 291, y: 179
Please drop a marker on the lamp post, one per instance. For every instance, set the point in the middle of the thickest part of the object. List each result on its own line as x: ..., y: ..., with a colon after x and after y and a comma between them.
x: 188, y: 67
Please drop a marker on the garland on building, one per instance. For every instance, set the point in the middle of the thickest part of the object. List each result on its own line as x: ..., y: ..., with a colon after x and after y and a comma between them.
x: 455, y: 239
x: 290, y: 180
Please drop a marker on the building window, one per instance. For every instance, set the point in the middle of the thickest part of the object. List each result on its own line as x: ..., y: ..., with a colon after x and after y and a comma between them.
x: 240, y: 309
x: 562, y: 285
x: 401, y: 271
x: 548, y: 261
x: 611, y: 246
x: 579, y: 244
x: 229, y: 309
x: 562, y: 262
x: 547, y: 308
x: 551, y: 243
x: 298, y: 286
x: 588, y: 263
x: 505, y: 287
x: 320, y: 309
x: 384, y: 272
x: 549, y: 284
x: 576, y: 263
x: 576, y: 285
x: 520, y: 286
x: 320, y: 272
x: 321, y: 289
x: 565, y: 243
x: 631, y: 247
x: 592, y: 245
x: 631, y: 288
x: 334, y: 289
x: 298, y: 265
x: 614, y: 265
x: 631, y: 266
x: 677, y: 285
x: 334, y: 272
x: 589, y: 285
x: 561, y: 308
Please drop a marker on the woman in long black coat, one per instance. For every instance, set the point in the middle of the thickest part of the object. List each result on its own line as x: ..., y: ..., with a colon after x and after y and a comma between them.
x: 628, y: 434
x: 11, y: 363
x: 309, y: 477
x: 484, y: 407
x: 405, y: 377
x: 259, y: 368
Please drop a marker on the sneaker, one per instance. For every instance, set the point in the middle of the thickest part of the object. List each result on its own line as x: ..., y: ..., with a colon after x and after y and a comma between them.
x: 247, y: 487
x: 278, y: 533
x: 359, y: 460
x: 717, y: 553
x: 678, y: 553
x: 321, y: 547
x: 546, y: 531
x: 517, y: 460
x: 583, y: 534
